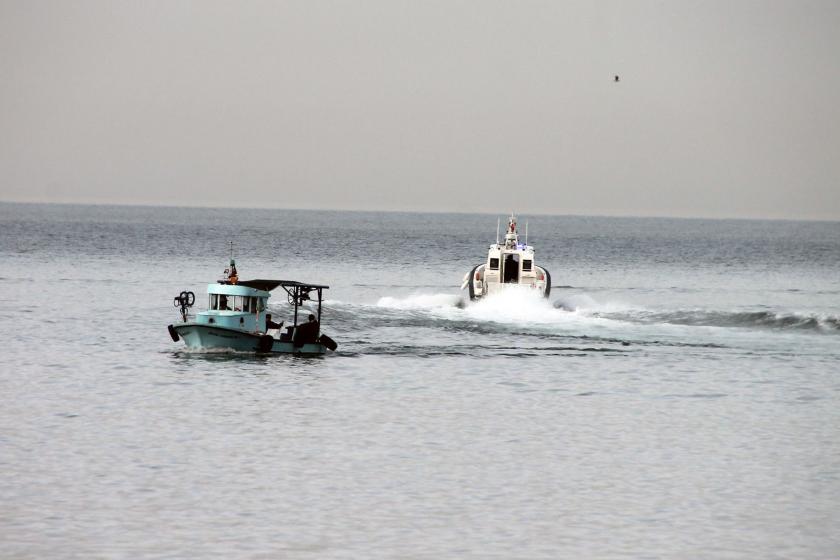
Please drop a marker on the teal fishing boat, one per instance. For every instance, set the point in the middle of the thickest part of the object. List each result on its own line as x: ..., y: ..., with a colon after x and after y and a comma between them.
x: 237, y: 317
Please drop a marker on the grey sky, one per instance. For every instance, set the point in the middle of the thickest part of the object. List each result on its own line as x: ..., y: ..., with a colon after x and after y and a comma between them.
x: 723, y: 109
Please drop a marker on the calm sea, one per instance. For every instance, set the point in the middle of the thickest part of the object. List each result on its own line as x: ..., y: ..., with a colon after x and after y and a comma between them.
x: 677, y: 396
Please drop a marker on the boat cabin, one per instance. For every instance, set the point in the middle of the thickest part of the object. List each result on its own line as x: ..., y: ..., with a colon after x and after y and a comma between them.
x: 510, y: 262
x: 510, y: 265
x: 235, y: 306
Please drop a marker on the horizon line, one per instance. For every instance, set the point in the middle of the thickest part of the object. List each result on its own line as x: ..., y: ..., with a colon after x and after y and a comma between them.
x: 392, y: 211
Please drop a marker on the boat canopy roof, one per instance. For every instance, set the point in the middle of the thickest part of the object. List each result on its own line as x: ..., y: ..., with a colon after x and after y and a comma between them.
x: 268, y: 285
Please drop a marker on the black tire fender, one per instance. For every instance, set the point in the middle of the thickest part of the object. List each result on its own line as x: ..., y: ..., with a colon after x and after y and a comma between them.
x: 266, y: 343
x: 173, y: 333
x: 547, y: 283
x: 328, y: 342
x: 472, y: 281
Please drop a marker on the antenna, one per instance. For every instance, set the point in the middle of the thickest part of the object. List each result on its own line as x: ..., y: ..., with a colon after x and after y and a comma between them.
x: 498, y: 224
x: 526, y: 233
x: 231, y: 250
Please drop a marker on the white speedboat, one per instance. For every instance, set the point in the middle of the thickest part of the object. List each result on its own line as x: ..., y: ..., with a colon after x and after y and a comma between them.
x: 508, y: 264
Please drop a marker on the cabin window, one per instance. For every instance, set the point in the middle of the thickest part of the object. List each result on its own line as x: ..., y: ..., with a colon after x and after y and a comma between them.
x: 526, y: 265
x: 494, y: 264
x: 247, y: 304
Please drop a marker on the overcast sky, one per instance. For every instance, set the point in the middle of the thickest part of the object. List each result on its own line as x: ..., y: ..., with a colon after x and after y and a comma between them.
x: 724, y: 109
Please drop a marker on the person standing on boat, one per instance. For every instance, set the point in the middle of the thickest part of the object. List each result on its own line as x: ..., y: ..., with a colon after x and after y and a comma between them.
x: 233, y: 276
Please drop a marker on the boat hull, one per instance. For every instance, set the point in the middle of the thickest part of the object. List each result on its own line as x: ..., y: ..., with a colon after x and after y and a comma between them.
x: 199, y: 336
x: 479, y: 287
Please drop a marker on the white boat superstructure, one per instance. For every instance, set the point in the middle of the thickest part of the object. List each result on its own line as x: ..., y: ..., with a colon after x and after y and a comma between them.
x: 508, y: 264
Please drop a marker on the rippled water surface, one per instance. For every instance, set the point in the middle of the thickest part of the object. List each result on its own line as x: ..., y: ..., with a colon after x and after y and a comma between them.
x: 677, y: 396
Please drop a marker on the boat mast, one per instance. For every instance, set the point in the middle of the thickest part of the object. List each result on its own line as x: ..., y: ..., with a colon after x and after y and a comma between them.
x: 498, y: 225
x: 526, y: 233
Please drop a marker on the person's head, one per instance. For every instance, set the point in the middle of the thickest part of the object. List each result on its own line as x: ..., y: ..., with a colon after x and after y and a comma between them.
x: 311, y: 318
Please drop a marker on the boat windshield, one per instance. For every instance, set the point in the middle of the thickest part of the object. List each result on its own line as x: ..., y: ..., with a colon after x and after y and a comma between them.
x: 246, y: 304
